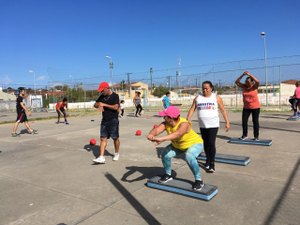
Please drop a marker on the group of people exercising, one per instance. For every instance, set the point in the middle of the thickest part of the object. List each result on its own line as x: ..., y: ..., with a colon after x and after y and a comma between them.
x: 184, y: 140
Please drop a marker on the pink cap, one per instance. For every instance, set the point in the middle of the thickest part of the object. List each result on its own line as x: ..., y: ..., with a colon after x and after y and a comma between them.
x: 102, y: 86
x: 171, y: 111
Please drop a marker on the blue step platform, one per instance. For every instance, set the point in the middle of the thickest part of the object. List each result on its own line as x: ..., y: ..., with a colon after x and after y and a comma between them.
x: 293, y: 118
x: 183, y: 188
x: 229, y: 159
x: 261, y: 142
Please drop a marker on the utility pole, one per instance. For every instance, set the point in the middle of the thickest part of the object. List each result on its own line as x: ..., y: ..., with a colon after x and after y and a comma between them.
x: 111, y: 67
x: 169, y: 82
x: 178, y: 72
x: 129, y: 84
x: 263, y: 35
x: 151, y: 81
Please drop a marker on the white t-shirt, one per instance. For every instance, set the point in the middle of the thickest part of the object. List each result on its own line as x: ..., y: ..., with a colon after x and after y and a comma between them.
x: 207, y: 110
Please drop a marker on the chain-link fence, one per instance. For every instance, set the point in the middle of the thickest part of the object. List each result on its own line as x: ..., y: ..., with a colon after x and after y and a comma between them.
x: 185, y: 81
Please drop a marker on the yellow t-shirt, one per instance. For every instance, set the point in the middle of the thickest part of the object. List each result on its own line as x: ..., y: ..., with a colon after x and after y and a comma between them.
x: 187, y: 140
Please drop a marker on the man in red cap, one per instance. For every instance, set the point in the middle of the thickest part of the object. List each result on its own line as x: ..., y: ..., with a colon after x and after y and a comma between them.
x: 184, y: 140
x: 108, y: 104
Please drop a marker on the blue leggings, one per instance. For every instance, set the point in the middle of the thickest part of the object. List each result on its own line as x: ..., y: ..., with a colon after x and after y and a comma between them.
x: 190, y: 156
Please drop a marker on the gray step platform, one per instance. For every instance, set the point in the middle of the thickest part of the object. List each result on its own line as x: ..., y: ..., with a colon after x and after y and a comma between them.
x: 294, y: 118
x: 184, y: 188
x: 229, y: 159
x: 261, y: 142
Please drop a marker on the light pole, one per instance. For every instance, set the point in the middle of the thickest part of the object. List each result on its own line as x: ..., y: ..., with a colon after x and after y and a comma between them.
x: 263, y: 35
x: 31, y: 71
x: 111, y: 67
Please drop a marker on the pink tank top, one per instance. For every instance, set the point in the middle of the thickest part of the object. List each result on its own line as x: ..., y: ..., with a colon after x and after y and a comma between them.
x: 250, y: 99
x: 297, y: 92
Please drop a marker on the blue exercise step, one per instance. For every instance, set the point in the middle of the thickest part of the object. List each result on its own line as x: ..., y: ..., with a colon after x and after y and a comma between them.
x: 229, y: 159
x: 293, y: 118
x: 261, y: 142
x: 183, y: 188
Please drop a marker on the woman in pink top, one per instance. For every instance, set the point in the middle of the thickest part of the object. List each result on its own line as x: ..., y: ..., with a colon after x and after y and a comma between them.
x: 251, y: 104
x: 295, y: 99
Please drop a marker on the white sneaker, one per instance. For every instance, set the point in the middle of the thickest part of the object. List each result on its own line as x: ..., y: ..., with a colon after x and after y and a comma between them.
x: 100, y: 159
x: 116, y: 157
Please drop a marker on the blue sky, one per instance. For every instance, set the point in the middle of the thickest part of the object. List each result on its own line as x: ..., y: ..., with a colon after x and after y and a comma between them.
x: 69, y: 39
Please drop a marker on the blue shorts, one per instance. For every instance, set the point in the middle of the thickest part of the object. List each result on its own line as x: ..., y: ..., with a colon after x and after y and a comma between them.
x: 110, y: 129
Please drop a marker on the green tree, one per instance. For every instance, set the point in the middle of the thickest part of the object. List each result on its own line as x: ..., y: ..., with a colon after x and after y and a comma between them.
x: 160, y: 91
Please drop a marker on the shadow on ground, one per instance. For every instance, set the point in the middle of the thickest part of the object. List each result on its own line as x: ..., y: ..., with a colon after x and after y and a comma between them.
x: 223, y: 137
x: 145, y: 173
x: 96, y: 150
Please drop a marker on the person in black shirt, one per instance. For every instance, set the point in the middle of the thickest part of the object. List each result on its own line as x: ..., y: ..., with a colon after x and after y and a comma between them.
x: 108, y: 104
x: 22, y: 117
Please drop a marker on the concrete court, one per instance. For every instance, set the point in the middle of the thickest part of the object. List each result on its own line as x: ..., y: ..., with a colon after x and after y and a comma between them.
x: 49, y: 178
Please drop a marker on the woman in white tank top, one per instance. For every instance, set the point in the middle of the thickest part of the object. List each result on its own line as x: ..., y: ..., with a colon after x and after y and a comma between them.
x: 208, y: 105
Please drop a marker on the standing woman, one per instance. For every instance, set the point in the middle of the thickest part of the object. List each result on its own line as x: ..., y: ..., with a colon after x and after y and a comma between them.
x: 138, y: 103
x: 295, y: 99
x: 207, y: 105
x: 251, y: 104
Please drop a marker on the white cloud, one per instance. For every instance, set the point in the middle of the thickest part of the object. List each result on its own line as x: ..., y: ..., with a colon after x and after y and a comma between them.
x: 6, y: 79
x: 41, y: 78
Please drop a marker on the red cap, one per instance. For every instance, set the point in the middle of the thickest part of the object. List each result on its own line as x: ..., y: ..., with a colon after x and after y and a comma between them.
x: 102, y: 86
x: 171, y: 111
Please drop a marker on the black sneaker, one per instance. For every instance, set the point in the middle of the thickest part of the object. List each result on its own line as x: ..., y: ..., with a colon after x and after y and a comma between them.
x: 206, y: 165
x: 211, y: 168
x: 165, y: 178
x: 198, y: 185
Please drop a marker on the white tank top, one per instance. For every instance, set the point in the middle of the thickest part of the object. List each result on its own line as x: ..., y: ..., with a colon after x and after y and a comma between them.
x: 207, y: 110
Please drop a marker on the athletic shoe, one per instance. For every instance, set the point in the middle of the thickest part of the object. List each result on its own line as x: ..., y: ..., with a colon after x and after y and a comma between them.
x: 243, y: 138
x: 116, y: 157
x: 198, y: 185
x: 211, y: 169
x: 33, y: 131
x: 100, y: 159
x: 57, y: 122
x: 15, y: 135
x: 206, y: 165
x: 67, y: 123
x: 165, y: 178
x: 255, y: 139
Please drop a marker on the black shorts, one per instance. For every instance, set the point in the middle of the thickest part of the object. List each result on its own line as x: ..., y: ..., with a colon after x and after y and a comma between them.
x: 62, y: 110
x: 22, y: 117
x: 110, y: 129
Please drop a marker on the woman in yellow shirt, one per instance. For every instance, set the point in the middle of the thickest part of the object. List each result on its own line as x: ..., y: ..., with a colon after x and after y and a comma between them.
x: 184, y: 140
